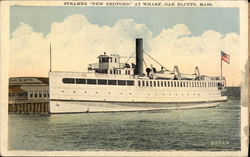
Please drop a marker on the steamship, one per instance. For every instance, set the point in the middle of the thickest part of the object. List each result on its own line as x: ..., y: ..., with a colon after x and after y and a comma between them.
x: 114, y: 86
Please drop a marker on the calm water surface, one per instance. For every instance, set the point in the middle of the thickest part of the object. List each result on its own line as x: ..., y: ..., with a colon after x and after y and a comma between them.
x: 216, y: 128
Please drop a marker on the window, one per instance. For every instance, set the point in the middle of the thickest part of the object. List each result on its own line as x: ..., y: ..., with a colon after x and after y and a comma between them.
x: 168, y: 84
x: 165, y: 83
x: 178, y: 84
x: 122, y: 82
x: 44, y: 93
x: 110, y: 60
x: 31, y: 93
x: 174, y: 84
x: 171, y: 83
x: 102, y: 82
x: 146, y: 83
x: 130, y: 83
x: 158, y: 83
x: 162, y: 83
x: 35, y: 93
x: 139, y: 83
x: 112, y: 82
x: 68, y: 80
x: 110, y: 71
x: 155, y: 83
x: 128, y: 72
x: 184, y: 84
x: 115, y: 60
x: 40, y: 93
x: 105, y: 60
x: 143, y: 83
x: 91, y: 81
x: 81, y: 81
x: 151, y: 83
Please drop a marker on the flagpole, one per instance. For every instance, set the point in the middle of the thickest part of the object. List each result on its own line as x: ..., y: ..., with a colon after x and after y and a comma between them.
x: 50, y: 68
x: 220, y: 66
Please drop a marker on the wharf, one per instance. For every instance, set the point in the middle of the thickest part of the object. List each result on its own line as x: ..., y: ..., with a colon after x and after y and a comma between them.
x: 29, y: 107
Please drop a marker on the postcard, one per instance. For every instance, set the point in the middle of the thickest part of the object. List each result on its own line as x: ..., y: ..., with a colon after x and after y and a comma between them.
x: 124, y: 78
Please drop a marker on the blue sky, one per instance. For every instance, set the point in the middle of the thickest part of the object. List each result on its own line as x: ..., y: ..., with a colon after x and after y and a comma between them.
x: 198, y: 20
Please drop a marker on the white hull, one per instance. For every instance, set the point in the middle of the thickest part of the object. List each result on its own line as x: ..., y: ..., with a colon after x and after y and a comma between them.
x: 150, y: 95
x: 85, y: 107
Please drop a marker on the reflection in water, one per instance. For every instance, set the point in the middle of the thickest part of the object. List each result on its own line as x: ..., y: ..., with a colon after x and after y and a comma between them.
x: 215, y: 128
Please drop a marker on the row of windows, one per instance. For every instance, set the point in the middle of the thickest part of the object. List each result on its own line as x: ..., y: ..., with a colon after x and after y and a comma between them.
x: 176, y: 84
x: 18, y: 94
x: 127, y: 72
x: 98, y: 81
x: 39, y: 94
x: 170, y: 94
x: 106, y: 60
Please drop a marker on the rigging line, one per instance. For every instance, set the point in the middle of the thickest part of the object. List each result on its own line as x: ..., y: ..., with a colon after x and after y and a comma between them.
x: 156, y: 61
x: 145, y: 63
x: 130, y: 57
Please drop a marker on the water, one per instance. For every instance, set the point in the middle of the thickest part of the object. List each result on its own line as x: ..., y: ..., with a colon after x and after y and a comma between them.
x: 216, y: 128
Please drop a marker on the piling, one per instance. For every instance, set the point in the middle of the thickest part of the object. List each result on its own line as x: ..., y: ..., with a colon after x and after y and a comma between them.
x: 29, y: 107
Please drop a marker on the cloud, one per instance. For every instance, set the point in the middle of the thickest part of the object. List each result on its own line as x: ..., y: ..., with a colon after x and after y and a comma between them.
x: 76, y: 43
x: 28, y: 52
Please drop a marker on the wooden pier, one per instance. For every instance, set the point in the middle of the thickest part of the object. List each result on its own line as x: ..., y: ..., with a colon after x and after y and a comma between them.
x: 29, y: 107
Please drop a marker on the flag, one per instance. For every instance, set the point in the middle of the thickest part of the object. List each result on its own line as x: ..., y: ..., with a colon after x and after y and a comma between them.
x: 225, y: 57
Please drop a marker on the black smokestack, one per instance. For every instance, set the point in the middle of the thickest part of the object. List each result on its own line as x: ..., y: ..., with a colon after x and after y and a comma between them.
x: 139, y: 57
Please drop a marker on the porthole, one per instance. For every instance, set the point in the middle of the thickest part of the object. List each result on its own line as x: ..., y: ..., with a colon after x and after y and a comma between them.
x: 62, y: 91
x: 74, y: 91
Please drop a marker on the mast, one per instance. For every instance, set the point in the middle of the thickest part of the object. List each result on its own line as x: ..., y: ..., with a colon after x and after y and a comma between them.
x: 50, y: 58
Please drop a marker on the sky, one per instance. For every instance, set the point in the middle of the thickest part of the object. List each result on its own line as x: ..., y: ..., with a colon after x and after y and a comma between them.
x: 186, y: 37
